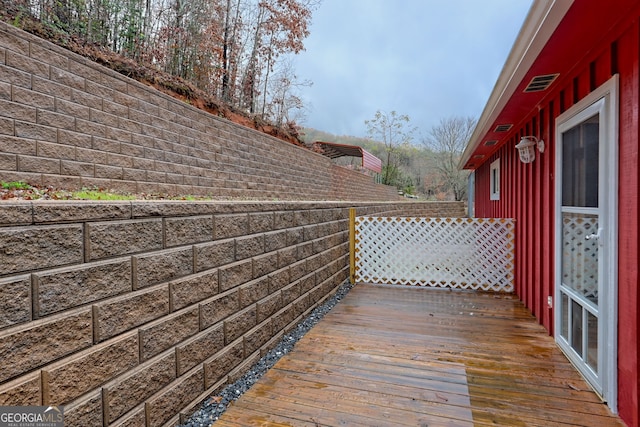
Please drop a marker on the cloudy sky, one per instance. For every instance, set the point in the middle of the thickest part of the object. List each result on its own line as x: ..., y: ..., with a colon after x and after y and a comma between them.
x: 429, y: 59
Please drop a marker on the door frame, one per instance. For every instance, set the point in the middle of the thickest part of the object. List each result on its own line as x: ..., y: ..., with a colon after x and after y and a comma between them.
x: 608, y: 206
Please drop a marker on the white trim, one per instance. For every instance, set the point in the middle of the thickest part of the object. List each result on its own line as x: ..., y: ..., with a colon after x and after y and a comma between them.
x: 494, y: 180
x: 471, y: 193
x: 604, y: 100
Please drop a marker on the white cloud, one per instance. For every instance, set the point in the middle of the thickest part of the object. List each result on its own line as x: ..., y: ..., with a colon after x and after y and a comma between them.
x: 429, y: 59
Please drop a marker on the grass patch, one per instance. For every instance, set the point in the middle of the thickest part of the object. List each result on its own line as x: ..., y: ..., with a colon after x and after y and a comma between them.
x: 19, y: 190
x: 99, y: 195
x: 14, y: 185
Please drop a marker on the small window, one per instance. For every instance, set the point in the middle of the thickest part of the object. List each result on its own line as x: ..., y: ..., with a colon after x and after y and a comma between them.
x: 495, y: 180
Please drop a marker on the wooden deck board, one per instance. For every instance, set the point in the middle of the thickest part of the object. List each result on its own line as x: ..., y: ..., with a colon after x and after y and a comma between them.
x: 395, y: 356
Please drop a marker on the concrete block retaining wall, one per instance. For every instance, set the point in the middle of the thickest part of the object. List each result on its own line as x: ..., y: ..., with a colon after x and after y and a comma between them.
x: 131, y: 313
x: 70, y: 123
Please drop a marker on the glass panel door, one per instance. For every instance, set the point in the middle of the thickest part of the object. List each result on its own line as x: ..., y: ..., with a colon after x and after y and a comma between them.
x: 580, y: 232
x: 586, y: 237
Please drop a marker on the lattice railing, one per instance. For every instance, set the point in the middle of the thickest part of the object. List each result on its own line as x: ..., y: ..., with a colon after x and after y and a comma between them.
x: 579, y: 254
x: 467, y: 253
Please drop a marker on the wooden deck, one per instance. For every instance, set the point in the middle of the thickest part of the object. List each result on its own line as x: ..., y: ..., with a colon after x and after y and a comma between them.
x: 400, y: 356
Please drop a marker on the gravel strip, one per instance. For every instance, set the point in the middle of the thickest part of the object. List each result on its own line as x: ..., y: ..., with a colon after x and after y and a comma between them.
x: 215, y: 406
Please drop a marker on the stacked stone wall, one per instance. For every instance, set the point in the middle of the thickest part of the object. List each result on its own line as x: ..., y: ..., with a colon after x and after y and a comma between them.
x: 132, y: 313
x: 70, y: 123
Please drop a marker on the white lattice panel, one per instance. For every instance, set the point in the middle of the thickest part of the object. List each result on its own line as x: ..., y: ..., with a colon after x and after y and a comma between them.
x: 579, y: 255
x: 467, y: 253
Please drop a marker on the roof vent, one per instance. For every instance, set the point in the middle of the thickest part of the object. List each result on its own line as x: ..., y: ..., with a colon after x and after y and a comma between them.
x: 491, y: 143
x: 540, y: 83
x: 502, y: 128
x: 479, y: 156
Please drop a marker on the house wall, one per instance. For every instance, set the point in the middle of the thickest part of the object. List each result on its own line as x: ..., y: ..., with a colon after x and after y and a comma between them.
x: 527, y: 194
x: 132, y: 313
x: 70, y: 123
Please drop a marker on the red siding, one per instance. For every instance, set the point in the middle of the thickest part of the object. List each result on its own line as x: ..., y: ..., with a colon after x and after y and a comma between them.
x: 371, y: 162
x: 547, y: 217
x: 527, y: 194
x: 628, y: 319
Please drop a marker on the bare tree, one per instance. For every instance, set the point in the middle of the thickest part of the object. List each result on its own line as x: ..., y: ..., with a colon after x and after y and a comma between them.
x: 393, y: 130
x: 286, y: 105
x: 227, y: 49
x: 447, y: 140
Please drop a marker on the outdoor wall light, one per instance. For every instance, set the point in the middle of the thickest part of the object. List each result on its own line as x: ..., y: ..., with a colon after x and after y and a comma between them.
x: 527, y: 148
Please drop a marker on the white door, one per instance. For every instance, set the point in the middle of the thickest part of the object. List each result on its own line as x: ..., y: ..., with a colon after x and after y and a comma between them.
x: 586, y: 238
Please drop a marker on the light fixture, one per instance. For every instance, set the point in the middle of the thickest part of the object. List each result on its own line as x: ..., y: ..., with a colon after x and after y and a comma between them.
x: 527, y: 148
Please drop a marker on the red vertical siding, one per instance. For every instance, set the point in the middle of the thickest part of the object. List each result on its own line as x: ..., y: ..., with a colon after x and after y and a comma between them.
x: 602, y: 68
x: 584, y: 83
x: 531, y: 222
x: 538, y: 226
x: 520, y: 222
x: 628, y: 352
x: 527, y: 194
x: 548, y: 208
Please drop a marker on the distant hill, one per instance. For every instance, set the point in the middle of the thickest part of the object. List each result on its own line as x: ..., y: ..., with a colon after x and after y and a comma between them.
x: 418, y: 173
